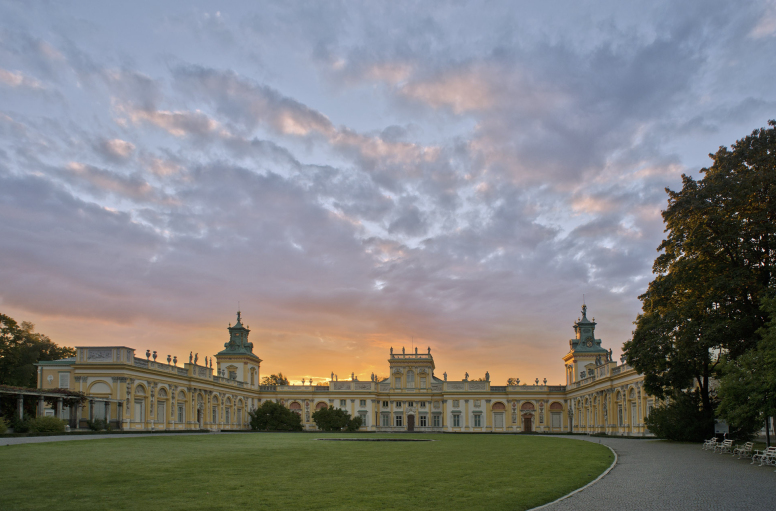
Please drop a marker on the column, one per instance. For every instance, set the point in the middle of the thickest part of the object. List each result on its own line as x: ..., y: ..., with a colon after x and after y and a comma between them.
x: 466, y: 426
x: 91, y: 409
x: 20, y: 404
x: 119, y: 415
x: 41, y: 406
x: 59, y: 408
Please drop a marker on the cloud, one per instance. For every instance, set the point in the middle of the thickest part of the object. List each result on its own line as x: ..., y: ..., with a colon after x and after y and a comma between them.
x: 115, y: 150
x: 19, y: 80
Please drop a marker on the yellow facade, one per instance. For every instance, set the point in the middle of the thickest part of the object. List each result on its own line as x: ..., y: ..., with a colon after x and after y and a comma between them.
x: 141, y: 394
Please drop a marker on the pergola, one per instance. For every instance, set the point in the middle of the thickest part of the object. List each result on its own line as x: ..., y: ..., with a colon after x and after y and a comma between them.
x: 59, y: 395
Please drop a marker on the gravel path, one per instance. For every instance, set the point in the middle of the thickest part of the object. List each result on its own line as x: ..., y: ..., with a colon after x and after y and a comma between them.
x: 653, y: 474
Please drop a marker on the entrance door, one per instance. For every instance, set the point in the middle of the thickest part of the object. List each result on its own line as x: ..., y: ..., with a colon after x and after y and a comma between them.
x: 527, y: 424
x: 410, y: 423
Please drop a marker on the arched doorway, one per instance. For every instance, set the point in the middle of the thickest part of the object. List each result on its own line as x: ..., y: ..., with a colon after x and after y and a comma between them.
x: 411, y: 422
x: 526, y: 410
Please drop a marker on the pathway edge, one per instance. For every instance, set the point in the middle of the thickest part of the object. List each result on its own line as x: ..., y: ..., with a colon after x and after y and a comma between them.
x: 591, y: 483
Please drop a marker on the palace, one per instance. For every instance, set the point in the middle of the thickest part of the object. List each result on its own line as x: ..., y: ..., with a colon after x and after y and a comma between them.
x: 600, y: 395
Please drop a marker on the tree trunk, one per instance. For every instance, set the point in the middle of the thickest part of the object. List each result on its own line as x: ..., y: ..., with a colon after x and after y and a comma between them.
x: 767, y: 431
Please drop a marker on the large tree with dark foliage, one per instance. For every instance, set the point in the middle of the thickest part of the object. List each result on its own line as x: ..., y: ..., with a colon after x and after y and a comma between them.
x: 713, y: 272
x: 20, y: 348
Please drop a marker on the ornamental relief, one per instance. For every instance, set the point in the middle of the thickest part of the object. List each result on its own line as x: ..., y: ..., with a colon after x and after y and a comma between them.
x: 478, y: 385
x: 363, y: 386
x: 455, y: 386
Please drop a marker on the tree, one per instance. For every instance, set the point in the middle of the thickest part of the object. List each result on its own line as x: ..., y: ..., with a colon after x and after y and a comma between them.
x: 714, y: 270
x: 335, y: 419
x: 20, y: 348
x: 272, y: 416
x: 748, y: 385
x: 274, y: 379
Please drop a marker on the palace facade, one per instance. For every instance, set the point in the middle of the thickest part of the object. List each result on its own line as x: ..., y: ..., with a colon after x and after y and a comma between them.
x: 143, y: 394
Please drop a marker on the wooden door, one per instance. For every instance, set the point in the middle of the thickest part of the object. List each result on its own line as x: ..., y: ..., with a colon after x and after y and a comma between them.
x: 527, y: 424
x: 410, y: 423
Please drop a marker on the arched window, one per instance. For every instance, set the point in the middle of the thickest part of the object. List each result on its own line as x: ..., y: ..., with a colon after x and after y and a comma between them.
x: 527, y: 406
x: 556, y: 406
x: 296, y: 408
x: 320, y: 405
x: 499, y: 406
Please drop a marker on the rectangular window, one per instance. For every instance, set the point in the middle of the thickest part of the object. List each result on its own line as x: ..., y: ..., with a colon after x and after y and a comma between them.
x: 649, y: 407
x: 343, y: 403
x: 397, y: 382
x: 411, y: 404
x: 422, y: 404
x: 456, y: 421
x: 435, y: 421
x: 363, y: 418
x: 362, y: 403
x: 385, y: 404
x: 398, y: 404
x: 64, y: 380
x: 398, y: 421
x: 386, y: 420
x: 215, y: 414
x: 226, y: 419
x: 180, y: 414
x: 477, y: 420
x: 422, y: 382
x: 424, y: 420
x: 555, y: 419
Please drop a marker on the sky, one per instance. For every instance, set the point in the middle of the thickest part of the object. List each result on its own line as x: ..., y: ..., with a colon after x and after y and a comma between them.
x: 356, y: 176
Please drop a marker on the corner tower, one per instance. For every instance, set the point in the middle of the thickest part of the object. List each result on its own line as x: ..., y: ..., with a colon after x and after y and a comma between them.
x: 585, y: 353
x: 237, y: 360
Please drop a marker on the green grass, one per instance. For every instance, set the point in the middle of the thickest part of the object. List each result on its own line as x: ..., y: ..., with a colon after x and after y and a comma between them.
x: 295, y: 471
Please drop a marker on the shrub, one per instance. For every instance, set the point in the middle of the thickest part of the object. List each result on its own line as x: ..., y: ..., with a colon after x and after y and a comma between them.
x: 20, y: 425
x: 682, y: 420
x: 46, y: 425
x: 272, y: 416
x: 3, y: 427
x: 335, y: 419
x: 97, y: 425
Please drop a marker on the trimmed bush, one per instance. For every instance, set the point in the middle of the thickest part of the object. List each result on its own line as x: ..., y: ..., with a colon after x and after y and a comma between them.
x: 46, y: 425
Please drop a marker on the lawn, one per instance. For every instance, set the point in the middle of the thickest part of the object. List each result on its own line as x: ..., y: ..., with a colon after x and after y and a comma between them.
x: 296, y: 471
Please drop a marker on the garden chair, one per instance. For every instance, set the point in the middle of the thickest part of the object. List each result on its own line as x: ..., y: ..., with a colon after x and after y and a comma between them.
x: 767, y: 457
x: 710, y: 444
x: 744, y: 450
x: 725, y: 446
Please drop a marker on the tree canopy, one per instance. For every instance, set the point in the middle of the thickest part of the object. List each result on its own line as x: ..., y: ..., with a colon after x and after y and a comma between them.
x: 748, y: 386
x: 272, y: 416
x: 274, y: 379
x: 20, y: 348
x: 713, y: 272
x: 335, y: 419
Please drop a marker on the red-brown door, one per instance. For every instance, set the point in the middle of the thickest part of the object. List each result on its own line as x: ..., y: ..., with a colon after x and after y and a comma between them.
x: 410, y: 423
x: 527, y: 424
